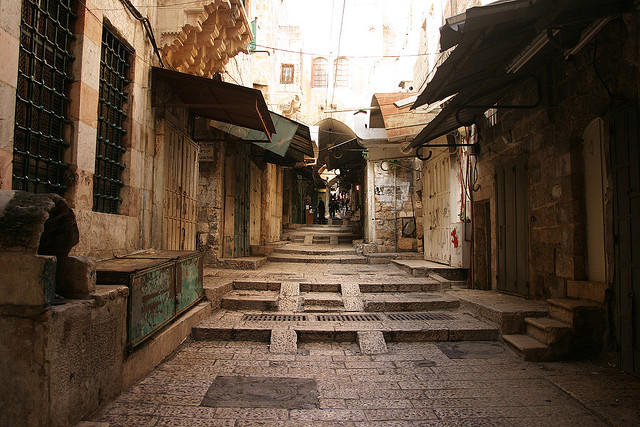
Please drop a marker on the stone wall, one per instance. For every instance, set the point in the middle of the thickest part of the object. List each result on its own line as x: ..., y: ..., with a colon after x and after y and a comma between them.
x: 211, y: 203
x: 395, y: 206
x: 549, y: 139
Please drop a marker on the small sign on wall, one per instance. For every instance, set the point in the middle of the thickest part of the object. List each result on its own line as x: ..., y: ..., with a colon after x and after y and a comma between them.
x: 206, y: 152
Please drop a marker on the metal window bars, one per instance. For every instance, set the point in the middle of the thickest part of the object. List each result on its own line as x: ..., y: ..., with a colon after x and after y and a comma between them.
x: 41, y: 122
x: 114, y: 68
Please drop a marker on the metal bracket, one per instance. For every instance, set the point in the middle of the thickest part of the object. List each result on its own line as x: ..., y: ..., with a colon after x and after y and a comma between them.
x: 501, y: 106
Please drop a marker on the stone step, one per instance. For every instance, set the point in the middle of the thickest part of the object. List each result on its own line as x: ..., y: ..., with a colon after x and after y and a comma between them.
x: 593, y: 291
x: 231, y: 325
x: 409, y: 302
x: 309, y: 251
x: 322, y: 299
x: 506, y: 311
x: 422, y: 268
x: 547, y: 329
x: 258, y: 285
x: 570, y: 310
x: 320, y: 287
x: 317, y: 308
x: 321, y: 239
x: 250, y: 300
x: 427, y: 286
x: 242, y: 263
x: 318, y: 259
x: 529, y: 348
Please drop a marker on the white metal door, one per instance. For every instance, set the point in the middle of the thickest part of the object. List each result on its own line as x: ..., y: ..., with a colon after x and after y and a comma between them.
x: 437, y: 209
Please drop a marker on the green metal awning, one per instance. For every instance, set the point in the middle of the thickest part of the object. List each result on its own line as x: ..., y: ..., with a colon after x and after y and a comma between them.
x: 291, y: 139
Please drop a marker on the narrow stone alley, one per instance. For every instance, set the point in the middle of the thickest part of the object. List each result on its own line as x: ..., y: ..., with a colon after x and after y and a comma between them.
x: 321, y: 335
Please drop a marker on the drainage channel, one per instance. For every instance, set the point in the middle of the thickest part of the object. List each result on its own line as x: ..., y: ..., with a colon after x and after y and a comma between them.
x: 364, y: 317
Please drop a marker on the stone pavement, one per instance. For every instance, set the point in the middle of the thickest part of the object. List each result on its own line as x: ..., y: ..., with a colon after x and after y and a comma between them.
x: 363, y: 373
x: 414, y: 384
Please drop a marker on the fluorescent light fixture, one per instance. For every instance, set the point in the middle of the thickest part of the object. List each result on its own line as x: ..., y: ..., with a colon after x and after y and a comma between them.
x: 401, y: 103
x: 529, y: 52
x: 587, y: 35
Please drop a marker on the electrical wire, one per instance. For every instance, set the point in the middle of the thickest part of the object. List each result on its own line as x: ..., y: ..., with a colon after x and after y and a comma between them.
x: 324, y: 55
x: 335, y: 63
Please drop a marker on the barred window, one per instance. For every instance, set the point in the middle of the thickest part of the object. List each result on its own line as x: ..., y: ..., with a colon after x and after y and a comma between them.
x: 319, y: 73
x: 41, y: 118
x: 491, y: 117
x: 286, y: 74
x: 114, y: 68
x: 342, y: 72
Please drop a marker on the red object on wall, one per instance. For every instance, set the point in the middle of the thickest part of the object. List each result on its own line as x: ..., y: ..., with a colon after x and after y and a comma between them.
x: 455, y: 238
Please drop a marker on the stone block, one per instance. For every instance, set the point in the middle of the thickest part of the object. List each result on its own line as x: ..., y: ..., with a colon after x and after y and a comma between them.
x: 372, y: 342
x: 283, y: 341
x: 27, y: 279
x: 76, y: 276
x: 593, y: 291
x: 36, y: 223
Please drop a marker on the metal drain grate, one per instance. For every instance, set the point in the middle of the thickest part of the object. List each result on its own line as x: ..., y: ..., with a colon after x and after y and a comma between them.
x: 420, y: 316
x: 347, y: 318
x: 274, y: 318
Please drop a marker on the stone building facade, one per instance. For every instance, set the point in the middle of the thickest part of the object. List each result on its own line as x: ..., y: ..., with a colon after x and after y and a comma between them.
x: 87, y: 113
x: 556, y: 163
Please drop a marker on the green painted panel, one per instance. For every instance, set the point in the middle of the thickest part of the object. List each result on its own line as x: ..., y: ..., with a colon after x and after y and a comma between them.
x: 151, y: 301
x: 188, y: 282
x: 280, y: 141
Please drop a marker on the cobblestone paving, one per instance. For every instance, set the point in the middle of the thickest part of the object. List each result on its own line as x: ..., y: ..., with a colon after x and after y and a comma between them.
x: 415, y: 384
x: 480, y: 383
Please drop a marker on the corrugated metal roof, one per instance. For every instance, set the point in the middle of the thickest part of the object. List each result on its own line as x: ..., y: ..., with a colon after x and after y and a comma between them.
x: 225, y: 102
x: 487, y: 38
x: 401, y: 123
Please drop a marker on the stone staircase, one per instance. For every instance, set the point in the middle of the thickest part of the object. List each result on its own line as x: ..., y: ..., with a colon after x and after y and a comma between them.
x: 573, y: 329
x: 328, y: 234
x: 371, y: 312
x: 314, y: 254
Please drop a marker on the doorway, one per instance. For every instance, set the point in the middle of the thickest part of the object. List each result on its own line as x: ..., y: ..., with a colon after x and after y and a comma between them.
x: 512, y: 214
x: 625, y: 160
x: 180, y: 191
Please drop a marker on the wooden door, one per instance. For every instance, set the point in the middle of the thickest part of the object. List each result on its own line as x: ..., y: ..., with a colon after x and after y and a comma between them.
x: 512, y: 215
x: 242, y: 204
x: 625, y: 158
x: 180, y: 191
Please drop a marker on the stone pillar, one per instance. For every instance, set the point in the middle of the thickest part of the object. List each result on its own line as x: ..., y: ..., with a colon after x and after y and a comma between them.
x: 10, y: 42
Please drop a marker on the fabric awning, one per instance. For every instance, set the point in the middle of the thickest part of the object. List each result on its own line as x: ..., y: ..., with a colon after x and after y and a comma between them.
x: 487, y: 39
x: 291, y: 139
x: 216, y: 100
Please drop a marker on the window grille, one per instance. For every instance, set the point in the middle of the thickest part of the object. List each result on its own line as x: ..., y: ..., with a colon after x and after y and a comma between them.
x: 41, y: 97
x: 319, y: 73
x: 342, y: 72
x: 114, y: 66
x: 286, y: 74
x: 491, y: 117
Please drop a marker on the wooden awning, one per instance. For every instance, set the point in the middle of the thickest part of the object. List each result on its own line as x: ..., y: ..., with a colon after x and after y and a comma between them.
x: 216, y: 100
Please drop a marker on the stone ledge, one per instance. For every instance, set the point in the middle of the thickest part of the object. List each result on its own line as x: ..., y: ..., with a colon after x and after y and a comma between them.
x: 152, y: 352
